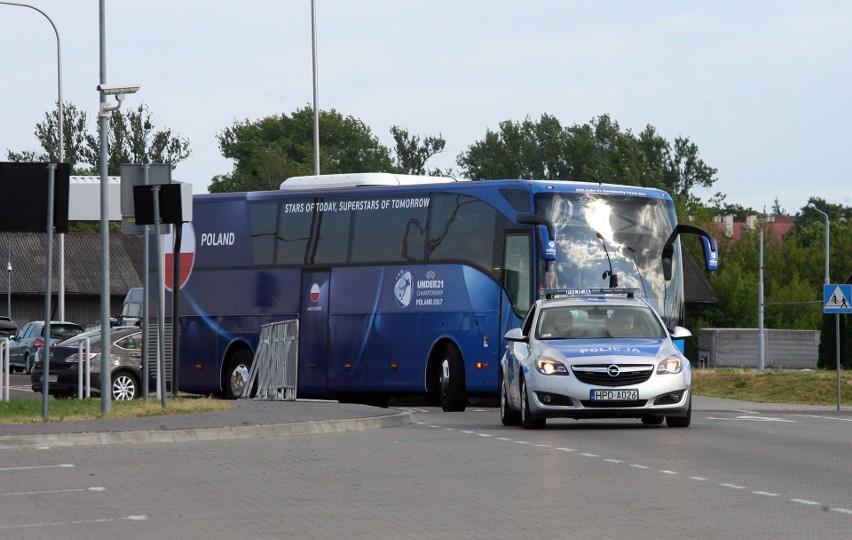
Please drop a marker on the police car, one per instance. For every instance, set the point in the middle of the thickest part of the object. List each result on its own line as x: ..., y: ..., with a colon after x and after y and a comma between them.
x: 599, y: 353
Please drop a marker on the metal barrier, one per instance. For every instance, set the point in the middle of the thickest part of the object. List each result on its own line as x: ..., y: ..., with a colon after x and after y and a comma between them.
x: 84, y: 356
x: 276, y: 363
x: 5, y: 380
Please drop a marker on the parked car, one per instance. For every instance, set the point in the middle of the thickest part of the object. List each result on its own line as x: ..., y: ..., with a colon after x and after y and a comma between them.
x: 8, y: 328
x: 24, y: 345
x: 590, y: 355
x: 125, y: 364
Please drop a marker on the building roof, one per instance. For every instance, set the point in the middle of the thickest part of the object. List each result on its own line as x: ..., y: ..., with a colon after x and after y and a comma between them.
x: 773, y: 225
x: 82, y: 262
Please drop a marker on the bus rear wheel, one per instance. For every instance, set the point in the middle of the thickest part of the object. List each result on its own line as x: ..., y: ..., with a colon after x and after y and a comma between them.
x: 451, y: 387
x: 236, y: 374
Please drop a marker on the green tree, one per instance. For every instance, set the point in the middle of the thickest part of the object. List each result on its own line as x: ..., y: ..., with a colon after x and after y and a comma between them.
x: 268, y: 151
x: 78, y: 142
x: 132, y: 138
x: 412, y: 154
x: 599, y: 151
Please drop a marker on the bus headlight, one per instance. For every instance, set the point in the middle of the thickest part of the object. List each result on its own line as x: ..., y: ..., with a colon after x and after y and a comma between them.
x: 672, y: 364
x: 546, y: 366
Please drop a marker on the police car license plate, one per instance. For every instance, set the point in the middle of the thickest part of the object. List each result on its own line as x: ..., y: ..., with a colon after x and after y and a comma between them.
x: 622, y: 394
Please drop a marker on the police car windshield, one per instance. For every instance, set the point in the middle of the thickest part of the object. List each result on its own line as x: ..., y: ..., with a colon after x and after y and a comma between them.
x: 598, y: 321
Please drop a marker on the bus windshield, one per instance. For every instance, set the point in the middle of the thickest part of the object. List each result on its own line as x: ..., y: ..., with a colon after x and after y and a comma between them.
x: 602, y: 234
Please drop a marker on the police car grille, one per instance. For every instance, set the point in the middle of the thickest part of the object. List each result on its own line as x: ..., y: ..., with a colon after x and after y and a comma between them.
x: 613, y: 404
x: 599, y: 375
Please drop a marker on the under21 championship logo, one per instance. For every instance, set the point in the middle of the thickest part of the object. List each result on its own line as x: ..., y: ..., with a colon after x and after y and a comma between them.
x: 402, y: 288
x: 187, y: 255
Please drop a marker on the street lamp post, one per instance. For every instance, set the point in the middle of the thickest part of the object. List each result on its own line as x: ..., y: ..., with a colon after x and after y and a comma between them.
x: 119, y: 91
x: 9, y: 290
x: 812, y: 206
x: 61, y: 150
x: 52, y: 168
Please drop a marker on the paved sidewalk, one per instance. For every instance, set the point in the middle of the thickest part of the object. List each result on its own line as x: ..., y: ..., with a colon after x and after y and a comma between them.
x: 251, y: 418
x: 701, y: 403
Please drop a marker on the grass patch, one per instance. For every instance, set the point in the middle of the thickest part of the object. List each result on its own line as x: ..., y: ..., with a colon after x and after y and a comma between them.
x: 774, y: 386
x: 25, y: 411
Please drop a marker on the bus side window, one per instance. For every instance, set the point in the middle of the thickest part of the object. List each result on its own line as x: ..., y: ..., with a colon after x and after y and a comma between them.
x: 263, y: 218
x: 517, y: 271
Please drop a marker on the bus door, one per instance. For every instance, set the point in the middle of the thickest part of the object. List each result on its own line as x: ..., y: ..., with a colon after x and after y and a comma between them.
x: 313, y: 335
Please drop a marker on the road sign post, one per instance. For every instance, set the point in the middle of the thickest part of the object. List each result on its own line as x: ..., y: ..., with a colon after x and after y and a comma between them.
x: 836, y: 299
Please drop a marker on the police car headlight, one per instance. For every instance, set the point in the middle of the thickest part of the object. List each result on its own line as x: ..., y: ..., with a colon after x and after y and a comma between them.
x: 672, y: 364
x: 546, y: 366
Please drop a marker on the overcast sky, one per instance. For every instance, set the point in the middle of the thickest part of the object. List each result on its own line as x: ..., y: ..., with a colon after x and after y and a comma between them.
x: 762, y: 87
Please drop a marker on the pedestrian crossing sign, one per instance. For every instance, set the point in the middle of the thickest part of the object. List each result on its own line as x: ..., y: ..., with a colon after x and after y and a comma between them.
x: 836, y: 298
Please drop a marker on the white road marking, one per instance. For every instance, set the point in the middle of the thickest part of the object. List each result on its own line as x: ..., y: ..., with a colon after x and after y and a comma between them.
x: 806, y: 502
x: 62, y: 466
x: 754, y: 419
x: 51, y: 491
x: 66, y: 523
x: 413, y: 410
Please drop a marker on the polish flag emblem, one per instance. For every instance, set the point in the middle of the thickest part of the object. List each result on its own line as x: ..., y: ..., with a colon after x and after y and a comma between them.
x: 187, y: 256
x: 315, y: 292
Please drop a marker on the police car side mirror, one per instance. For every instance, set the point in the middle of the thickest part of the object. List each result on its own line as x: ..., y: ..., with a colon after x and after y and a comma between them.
x: 515, y: 334
x: 679, y: 332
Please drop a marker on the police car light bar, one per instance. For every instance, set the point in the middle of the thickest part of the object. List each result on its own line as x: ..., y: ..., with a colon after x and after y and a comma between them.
x: 615, y: 291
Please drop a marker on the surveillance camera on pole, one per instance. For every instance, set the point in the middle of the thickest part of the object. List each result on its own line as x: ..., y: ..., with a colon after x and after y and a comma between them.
x: 117, y: 90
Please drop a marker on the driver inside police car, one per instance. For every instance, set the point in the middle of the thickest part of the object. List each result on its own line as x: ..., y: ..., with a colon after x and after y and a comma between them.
x: 620, y: 323
x: 564, y: 323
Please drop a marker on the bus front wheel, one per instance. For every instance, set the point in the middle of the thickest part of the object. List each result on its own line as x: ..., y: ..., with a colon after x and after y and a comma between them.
x: 236, y: 374
x: 451, y: 387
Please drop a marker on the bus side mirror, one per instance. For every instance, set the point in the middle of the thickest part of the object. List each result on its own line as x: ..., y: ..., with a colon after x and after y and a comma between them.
x: 548, y: 244
x: 708, y: 244
x: 711, y: 253
x: 546, y: 234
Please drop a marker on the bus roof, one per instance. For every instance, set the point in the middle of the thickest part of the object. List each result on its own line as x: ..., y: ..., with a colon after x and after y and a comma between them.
x: 324, y: 181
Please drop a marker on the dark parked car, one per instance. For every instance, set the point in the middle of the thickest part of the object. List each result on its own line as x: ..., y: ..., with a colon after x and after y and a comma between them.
x: 23, y: 345
x: 125, y: 365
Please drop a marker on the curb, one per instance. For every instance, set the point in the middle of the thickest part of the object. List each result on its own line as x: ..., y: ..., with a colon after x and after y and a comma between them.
x: 401, y: 418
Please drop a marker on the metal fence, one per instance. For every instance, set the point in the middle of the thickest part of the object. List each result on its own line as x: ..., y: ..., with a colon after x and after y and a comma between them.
x: 276, y: 363
x: 737, y: 348
x: 4, y: 369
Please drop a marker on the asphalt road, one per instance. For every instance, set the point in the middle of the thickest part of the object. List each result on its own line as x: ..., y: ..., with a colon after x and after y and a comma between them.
x: 732, y: 474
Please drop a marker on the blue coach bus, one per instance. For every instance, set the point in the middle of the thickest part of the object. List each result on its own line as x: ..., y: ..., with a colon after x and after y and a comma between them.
x: 406, y: 285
